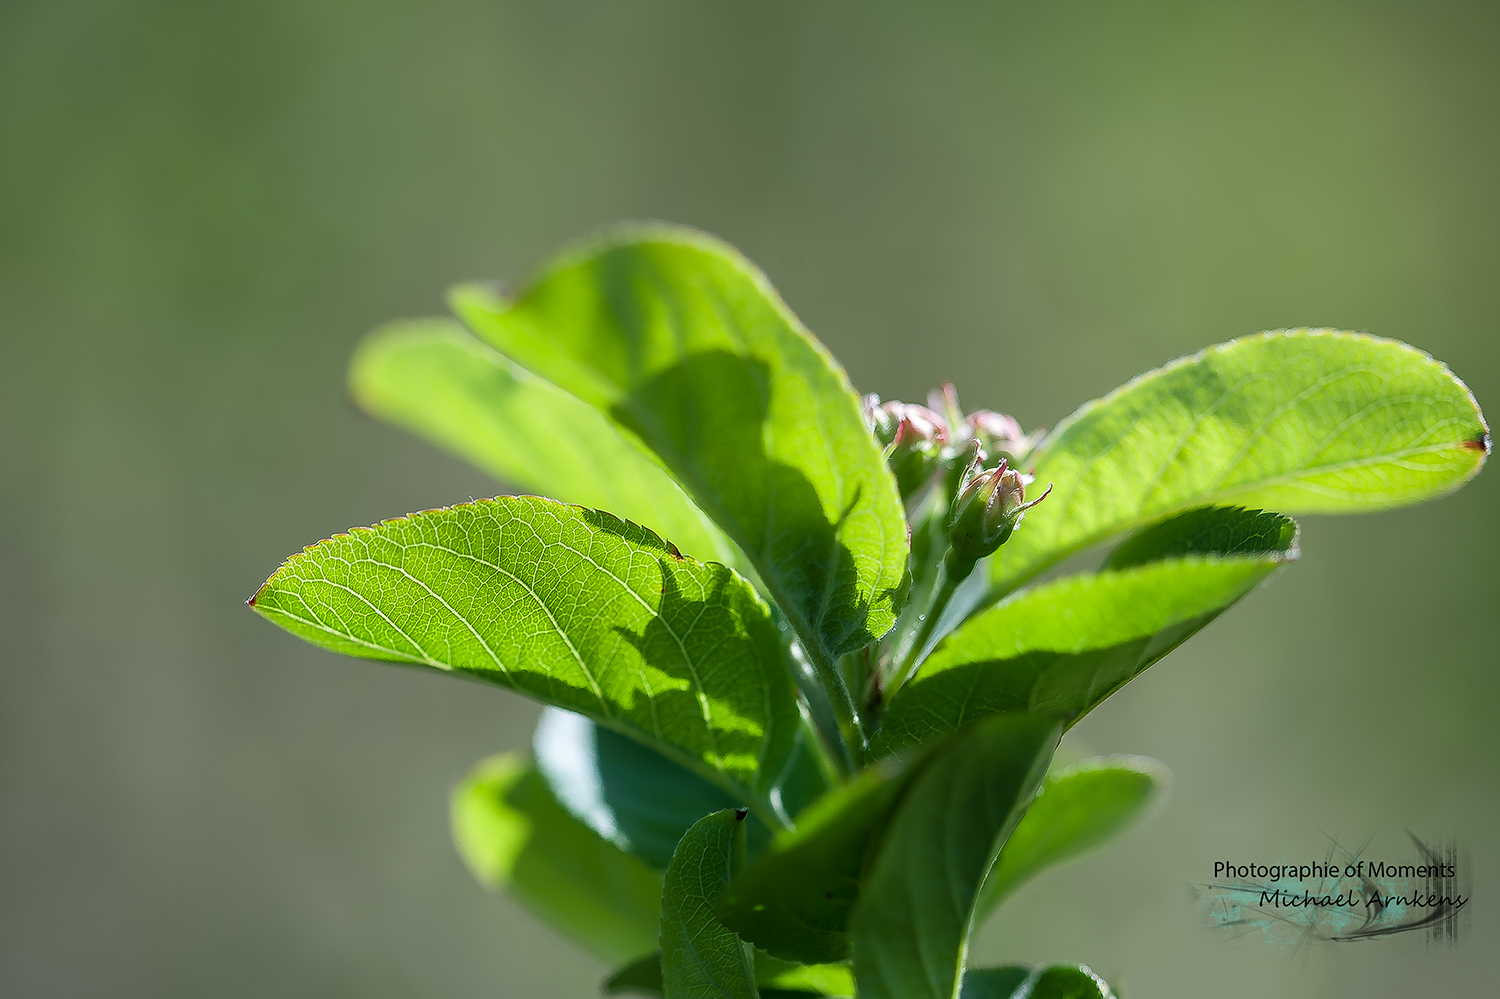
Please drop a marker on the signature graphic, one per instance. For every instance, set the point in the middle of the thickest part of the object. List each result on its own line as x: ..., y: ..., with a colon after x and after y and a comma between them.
x: 1342, y: 898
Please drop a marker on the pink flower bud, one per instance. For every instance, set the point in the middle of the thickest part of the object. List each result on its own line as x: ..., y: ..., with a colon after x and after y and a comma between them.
x: 912, y: 436
x: 1000, y: 435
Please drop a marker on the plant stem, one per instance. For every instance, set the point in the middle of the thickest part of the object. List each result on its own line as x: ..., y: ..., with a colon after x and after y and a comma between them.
x: 844, y: 709
x: 950, y: 575
x: 829, y: 764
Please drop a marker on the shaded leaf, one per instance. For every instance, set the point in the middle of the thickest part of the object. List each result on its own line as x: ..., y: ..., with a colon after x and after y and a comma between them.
x: 638, y: 978
x: 1077, y: 808
x: 794, y: 900
x: 514, y: 836
x: 1063, y: 646
x: 1013, y: 981
x: 1061, y: 981
x: 625, y: 791
x: 910, y: 929
x: 684, y: 342
x: 566, y: 605
x: 433, y: 378
x: 1304, y: 421
x: 700, y: 956
x: 1213, y: 530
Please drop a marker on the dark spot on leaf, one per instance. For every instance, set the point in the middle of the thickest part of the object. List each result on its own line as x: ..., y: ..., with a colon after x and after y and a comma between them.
x: 740, y: 813
x: 1480, y: 443
x: 675, y: 553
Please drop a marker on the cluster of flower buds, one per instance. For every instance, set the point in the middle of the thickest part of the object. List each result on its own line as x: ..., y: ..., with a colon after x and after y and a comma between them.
x: 919, y: 440
x: 914, y: 437
x: 989, y: 504
x: 999, y: 435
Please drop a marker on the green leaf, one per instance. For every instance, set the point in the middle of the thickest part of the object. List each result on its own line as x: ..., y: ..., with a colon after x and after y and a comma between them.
x: 1061, y: 981
x: 1064, y: 646
x: 625, y: 791
x: 775, y: 978
x: 432, y: 378
x: 514, y: 836
x: 1012, y: 981
x: 794, y: 900
x: 638, y: 978
x: 1214, y: 530
x: 1078, y: 808
x: 683, y: 341
x: 783, y: 977
x: 700, y: 956
x: 911, y: 927
x: 1305, y: 421
x: 571, y: 607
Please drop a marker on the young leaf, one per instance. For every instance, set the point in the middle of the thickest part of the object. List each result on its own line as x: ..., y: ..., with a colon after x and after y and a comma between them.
x: 514, y: 836
x: 1078, y: 808
x: 626, y: 792
x: 433, y: 378
x: 794, y: 900
x: 911, y: 927
x: 700, y: 956
x: 1305, y: 421
x: 683, y: 341
x: 571, y: 607
x: 1061, y: 981
x: 1064, y: 646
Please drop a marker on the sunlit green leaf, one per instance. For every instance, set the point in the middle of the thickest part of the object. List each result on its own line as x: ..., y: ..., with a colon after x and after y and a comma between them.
x: 1063, y: 646
x: 910, y: 928
x: 700, y: 956
x: 1306, y: 421
x: 1078, y: 808
x: 569, y: 606
x: 684, y: 342
x: 515, y: 836
x: 435, y: 379
x: 785, y: 978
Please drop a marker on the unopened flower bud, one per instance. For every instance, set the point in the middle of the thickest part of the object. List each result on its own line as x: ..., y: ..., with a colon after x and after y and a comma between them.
x: 1000, y: 435
x: 913, y: 438
x: 985, y: 513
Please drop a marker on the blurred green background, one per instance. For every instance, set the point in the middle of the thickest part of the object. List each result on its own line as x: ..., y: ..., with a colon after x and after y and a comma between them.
x: 203, y: 207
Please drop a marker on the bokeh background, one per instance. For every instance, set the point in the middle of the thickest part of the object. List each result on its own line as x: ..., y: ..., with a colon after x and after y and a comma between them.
x: 204, y: 206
